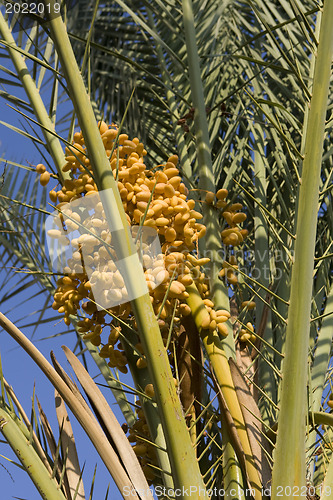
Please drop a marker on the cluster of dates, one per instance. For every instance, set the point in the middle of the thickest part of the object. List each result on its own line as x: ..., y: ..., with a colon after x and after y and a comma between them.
x: 154, y: 198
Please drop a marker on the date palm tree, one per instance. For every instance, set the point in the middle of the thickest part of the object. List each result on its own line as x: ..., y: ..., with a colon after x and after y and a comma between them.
x: 239, y: 91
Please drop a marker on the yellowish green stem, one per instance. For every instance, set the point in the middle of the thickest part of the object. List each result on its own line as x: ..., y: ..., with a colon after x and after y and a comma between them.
x: 42, y: 479
x: 213, y: 244
x: 141, y: 378
x: 233, y: 480
x: 219, y: 362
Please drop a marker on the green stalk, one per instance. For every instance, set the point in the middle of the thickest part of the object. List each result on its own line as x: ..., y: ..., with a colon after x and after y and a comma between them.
x: 207, y: 180
x: 289, y: 466
x: 23, y: 422
x: 219, y: 291
x: 262, y: 263
x: 141, y: 378
x: 206, y: 177
x: 54, y: 147
x: 320, y: 353
x: 179, y: 133
x: 220, y: 364
x: 42, y: 479
x: 184, y: 466
x: 232, y: 474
